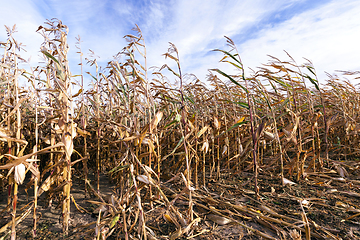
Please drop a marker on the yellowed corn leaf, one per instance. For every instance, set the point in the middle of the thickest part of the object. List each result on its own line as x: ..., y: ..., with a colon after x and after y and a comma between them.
x: 201, y: 132
x: 129, y: 138
x: 78, y: 93
x: 142, y: 135
x: 240, y: 120
x: 168, y: 218
x: 341, y: 204
x: 82, y: 132
x: 156, y: 121
x: 48, y: 182
x: 217, y: 123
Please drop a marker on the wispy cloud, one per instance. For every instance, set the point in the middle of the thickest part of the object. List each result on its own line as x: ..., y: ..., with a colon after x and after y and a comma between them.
x: 27, y: 19
x: 323, y: 31
x: 326, y: 35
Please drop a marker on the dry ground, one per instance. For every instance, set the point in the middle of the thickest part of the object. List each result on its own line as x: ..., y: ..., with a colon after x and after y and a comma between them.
x: 228, y: 209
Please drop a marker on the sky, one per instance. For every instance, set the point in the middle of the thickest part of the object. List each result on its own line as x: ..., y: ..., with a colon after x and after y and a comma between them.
x: 327, y: 32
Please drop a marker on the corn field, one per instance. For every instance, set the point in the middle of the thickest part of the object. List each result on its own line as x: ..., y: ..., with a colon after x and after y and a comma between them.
x: 271, y: 154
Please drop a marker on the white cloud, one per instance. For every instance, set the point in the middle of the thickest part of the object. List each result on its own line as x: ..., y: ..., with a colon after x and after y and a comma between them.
x: 27, y: 20
x: 324, y: 32
x: 198, y: 27
x: 328, y: 36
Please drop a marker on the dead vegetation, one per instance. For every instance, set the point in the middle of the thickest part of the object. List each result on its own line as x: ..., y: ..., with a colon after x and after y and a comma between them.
x: 272, y: 155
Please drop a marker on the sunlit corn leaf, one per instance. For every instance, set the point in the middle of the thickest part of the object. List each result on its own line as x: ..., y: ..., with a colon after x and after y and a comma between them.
x: 82, y: 132
x: 22, y: 159
x: 295, y: 235
x: 224, y: 150
x: 216, y: 123
x: 19, y: 174
x: 202, y: 131
x: 156, y: 120
x: 287, y: 181
x: 205, y: 146
x: 269, y: 135
x: 143, y: 178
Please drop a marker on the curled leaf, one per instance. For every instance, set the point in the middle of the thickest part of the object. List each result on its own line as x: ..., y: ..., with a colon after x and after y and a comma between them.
x: 20, y: 172
x: 143, y: 178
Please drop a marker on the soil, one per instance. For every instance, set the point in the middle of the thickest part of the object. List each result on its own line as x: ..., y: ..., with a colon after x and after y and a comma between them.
x: 228, y: 209
x: 50, y: 222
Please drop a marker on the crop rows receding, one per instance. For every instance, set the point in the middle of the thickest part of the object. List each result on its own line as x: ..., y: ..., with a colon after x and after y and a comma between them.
x: 179, y: 155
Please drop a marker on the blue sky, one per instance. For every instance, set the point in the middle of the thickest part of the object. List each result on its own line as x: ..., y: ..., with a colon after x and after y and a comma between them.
x: 324, y: 31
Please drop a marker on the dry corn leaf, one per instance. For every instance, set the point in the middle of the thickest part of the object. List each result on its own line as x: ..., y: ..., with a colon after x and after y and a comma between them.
x: 219, y: 219
x: 82, y: 132
x: 22, y: 159
x: 129, y: 138
x: 156, y: 121
x: 216, y: 123
x: 19, y: 175
x: 287, y: 181
x: 202, y: 131
x: 205, y: 146
x: 341, y: 170
x: 143, y: 178
x: 268, y: 135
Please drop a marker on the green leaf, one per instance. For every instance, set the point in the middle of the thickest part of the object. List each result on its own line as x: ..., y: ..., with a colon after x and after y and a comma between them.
x: 50, y: 56
x: 229, y: 77
x: 92, y: 76
x: 230, y: 55
x: 114, y: 221
x: 311, y: 70
x: 242, y: 104
x: 119, y: 168
x: 273, y: 87
x: 236, y: 125
x: 284, y: 84
x: 313, y: 81
x: 173, y: 151
x: 191, y: 100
